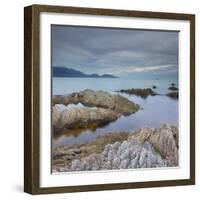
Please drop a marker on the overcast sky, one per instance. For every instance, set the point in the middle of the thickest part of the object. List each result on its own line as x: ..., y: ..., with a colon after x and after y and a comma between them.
x: 121, y: 52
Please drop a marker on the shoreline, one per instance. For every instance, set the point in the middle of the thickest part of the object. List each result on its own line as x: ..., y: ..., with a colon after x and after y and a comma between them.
x: 77, y: 117
x: 147, y: 147
x: 112, y: 149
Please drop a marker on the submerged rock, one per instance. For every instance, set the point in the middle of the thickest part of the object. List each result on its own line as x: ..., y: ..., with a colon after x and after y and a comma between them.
x: 173, y: 84
x: 173, y: 95
x: 99, y: 99
x: 82, y: 117
x: 144, y: 148
x: 139, y: 92
x: 173, y: 88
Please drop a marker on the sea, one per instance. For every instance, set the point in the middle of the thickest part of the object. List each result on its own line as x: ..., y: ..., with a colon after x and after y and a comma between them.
x: 156, y: 110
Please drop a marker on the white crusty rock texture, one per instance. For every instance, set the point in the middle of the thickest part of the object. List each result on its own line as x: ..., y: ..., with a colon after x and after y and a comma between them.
x: 164, y: 140
x: 81, y: 117
x: 144, y: 148
x: 126, y: 155
x: 99, y: 99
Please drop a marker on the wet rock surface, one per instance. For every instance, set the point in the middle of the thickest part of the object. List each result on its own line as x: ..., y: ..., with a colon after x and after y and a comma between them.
x: 144, y: 148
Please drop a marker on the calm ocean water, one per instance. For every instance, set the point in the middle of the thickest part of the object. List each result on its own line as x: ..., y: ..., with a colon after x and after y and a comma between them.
x: 156, y: 111
x: 62, y: 86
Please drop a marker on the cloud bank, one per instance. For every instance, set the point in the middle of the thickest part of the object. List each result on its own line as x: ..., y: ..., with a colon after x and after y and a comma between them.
x: 124, y: 52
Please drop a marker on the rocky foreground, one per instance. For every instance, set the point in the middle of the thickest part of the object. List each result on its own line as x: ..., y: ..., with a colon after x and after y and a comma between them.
x: 144, y: 148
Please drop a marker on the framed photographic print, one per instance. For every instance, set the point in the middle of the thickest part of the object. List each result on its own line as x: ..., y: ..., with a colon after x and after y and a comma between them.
x: 109, y: 99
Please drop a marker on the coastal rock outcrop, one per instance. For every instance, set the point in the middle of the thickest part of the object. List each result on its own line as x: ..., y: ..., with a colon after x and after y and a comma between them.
x: 82, y: 117
x: 173, y: 95
x: 173, y: 84
x: 139, y: 92
x: 144, y: 148
x: 126, y: 155
x: 164, y: 140
x: 64, y: 155
x: 173, y: 88
x: 99, y: 99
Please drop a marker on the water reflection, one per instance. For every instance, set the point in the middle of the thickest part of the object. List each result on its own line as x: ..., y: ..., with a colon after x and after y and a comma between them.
x: 155, y: 111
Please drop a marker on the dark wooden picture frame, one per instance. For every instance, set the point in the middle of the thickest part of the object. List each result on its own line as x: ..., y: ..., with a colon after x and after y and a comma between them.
x: 32, y: 95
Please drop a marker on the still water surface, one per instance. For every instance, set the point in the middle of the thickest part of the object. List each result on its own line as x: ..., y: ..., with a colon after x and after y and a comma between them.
x: 156, y: 110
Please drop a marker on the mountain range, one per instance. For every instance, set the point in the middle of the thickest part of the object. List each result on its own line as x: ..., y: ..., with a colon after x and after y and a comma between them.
x: 72, y: 73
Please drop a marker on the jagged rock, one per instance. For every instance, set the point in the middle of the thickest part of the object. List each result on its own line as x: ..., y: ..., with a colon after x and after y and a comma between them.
x: 82, y: 117
x: 139, y: 92
x: 99, y: 99
x: 62, y: 156
x: 126, y: 155
x: 164, y: 140
x: 144, y: 148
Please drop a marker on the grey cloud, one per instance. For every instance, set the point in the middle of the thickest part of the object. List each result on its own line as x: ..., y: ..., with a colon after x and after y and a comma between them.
x: 98, y: 49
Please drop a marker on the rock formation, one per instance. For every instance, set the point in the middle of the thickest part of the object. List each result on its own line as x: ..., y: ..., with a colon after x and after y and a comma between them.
x: 64, y: 155
x: 144, y: 148
x: 173, y: 95
x: 99, y: 99
x: 139, y: 92
x: 126, y: 155
x: 173, y: 84
x: 81, y: 117
x: 173, y: 88
x: 164, y: 140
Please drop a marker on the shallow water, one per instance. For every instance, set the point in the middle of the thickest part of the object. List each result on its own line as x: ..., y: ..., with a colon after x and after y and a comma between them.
x: 156, y: 110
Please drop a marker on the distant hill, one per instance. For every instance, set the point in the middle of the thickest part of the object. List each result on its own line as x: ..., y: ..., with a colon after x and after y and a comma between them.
x: 72, y: 73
